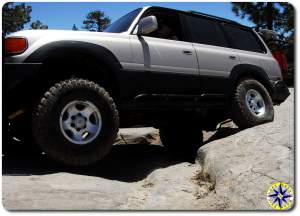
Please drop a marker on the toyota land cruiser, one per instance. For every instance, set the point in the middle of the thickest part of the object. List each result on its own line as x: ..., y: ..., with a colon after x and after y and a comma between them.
x: 181, y: 72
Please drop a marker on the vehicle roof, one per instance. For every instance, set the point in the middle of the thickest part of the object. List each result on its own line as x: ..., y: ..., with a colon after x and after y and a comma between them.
x: 191, y: 12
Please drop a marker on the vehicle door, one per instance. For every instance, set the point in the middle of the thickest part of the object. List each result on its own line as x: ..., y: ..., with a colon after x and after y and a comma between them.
x: 164, y: 57
x: 215, y: 58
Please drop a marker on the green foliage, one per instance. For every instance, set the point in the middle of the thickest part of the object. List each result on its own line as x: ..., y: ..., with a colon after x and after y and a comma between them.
x: 278, y: 16
x: 38, y: 25
x: 96, y: 21
x: 14, y: 17
x: 74, y: 28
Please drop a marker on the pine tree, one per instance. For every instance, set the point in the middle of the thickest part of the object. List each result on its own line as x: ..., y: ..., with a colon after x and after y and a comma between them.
x: 96, y: 21
x: 38, y: 25
x: 278, y: 16
x: 74, y: 28
x: 14, y: 17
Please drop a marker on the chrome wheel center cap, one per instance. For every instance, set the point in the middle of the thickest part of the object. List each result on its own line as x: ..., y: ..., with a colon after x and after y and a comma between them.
x: 79, y: 122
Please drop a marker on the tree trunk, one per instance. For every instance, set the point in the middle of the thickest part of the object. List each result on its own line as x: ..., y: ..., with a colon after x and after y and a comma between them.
x: 98, y: 26
x: 270, y: 16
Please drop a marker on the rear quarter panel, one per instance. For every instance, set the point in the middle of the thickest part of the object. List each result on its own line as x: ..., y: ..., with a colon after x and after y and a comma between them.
x: 264, y: 60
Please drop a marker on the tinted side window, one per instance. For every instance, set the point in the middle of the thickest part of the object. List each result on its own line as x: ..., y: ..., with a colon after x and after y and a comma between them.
x: 243, y: 39
x: 205, y: 31
x: 169, y: 24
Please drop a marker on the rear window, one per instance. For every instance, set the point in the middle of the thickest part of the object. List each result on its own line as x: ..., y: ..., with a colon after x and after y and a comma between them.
x: 205, y: 31
x: 243, y: 39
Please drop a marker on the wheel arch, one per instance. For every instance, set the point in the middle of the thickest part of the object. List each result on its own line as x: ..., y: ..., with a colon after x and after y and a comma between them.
x: 247, y: 70
x: 96, y: 63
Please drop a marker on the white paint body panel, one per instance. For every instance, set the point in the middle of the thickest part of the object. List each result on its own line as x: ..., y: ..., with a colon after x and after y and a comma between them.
x: 263, y: 60
x: 214, y: 60
x: 118, y: 44
x: 155, y: 54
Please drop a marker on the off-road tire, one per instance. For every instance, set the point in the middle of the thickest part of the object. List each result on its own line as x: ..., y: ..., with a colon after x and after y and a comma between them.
x: 46, y: 126
x: 241, y: 115
x: 181, y: 142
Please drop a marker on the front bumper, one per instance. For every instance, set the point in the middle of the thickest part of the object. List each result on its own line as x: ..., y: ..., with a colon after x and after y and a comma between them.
x: 280, y: 92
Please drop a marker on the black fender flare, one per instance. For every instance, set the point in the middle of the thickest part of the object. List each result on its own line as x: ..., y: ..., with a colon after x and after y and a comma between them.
x: 52, y: 48
x: 67, y: 48
x: 249, y: 70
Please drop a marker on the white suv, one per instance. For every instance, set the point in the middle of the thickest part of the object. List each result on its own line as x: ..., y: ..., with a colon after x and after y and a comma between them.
x: 182, y: 72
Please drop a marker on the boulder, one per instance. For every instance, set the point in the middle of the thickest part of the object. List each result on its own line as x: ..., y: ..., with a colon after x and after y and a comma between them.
x: 143, y: 135
x: 245, y: 164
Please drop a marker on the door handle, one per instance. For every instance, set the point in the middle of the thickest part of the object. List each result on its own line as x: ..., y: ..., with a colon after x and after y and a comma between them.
x: 186, y: 52
x: 232, y: 57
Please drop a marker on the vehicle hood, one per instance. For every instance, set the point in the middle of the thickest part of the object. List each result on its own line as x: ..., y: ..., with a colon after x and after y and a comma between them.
x: 58, y: 32
x: 33, y: 35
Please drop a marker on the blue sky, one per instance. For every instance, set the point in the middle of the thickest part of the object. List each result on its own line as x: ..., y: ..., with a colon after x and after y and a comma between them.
x: 59, y: 15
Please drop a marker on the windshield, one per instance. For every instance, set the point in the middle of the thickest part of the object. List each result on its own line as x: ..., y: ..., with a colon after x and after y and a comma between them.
x: 123, y: 24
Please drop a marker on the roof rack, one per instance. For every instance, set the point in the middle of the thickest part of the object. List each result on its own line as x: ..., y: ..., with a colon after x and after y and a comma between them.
x: 214, y: 17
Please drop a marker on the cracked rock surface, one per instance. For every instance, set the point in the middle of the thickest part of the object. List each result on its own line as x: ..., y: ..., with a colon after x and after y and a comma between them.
x: 246, y: 163
x: 233, y: 170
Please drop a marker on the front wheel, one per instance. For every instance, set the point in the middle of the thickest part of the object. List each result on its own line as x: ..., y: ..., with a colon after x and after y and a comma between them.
x: 76, y: 122
x: 251, y: 104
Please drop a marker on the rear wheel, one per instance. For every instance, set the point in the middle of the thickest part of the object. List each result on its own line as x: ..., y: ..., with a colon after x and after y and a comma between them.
x: 251, y: 104
x: 76, y: 122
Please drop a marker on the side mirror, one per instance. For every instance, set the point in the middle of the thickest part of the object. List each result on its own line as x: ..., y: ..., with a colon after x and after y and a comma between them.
x: 147, y: 25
